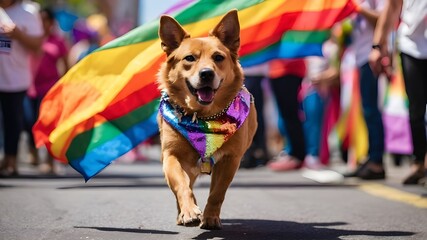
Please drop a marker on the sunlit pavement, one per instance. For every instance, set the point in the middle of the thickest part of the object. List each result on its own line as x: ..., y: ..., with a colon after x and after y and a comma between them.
x: 132, y: 201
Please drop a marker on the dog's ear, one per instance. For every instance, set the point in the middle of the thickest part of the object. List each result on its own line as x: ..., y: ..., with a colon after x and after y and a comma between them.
x: 171, y: 34
x: 228, y: 31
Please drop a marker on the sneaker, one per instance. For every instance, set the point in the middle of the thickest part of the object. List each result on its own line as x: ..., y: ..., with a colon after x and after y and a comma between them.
x: 356, y: 172
x: 369, y: 172
x: 323, y: 176
x: 284, y: 162
x: 313, y: 162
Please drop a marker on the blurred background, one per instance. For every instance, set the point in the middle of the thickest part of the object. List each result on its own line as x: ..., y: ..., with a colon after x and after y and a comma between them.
x: 122, y: 15
x: 87, y: 25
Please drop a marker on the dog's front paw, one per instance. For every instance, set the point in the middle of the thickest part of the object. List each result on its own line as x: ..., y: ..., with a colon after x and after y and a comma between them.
x: 190, y: 217
x: 211, y: 223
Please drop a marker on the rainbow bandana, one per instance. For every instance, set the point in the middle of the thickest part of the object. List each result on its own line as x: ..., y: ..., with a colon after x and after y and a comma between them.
x: 207, y: 134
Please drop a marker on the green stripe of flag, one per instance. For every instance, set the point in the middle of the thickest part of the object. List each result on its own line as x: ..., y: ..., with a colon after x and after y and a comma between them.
x: 206, y: 9
x: 101, y: 134
x: 194, y: 13
x: 306, y: 36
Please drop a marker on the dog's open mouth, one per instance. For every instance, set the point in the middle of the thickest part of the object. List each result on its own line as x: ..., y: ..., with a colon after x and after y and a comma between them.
x: 205, y: 95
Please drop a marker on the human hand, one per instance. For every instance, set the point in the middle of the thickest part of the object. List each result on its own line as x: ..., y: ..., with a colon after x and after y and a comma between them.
x: 327, y: 78
x: 380, y: 62
x: 10, y: 31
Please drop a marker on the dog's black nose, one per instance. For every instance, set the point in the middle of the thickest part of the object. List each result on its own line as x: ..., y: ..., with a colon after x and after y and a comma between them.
x: 206, y: 74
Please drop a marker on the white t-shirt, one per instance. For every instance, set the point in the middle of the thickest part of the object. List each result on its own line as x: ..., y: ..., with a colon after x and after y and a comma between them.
x: 363, y: 32
x: 15, y: 71
x: 413, y: 29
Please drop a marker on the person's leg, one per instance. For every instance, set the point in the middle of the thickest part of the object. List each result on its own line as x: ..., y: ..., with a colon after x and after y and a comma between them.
x: 286, y: 94
x: 313, y: 106
x: 256, y: 154
x: 12, y: 106
x: 287, y: 148
x: 373, y: 119
x: 1, y: 130
x: 414, y: 74
x: 30, y: 116
x: 372, y: 114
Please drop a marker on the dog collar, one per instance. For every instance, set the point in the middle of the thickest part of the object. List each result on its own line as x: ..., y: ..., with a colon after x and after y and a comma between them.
x: 208, y: 134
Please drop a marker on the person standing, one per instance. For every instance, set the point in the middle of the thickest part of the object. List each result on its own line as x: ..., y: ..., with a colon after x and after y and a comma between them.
x: 322, y: 78
x: 257, y: 153
x: 286, y: 77
x: 20, y: 33
x: 363, y: 32
x: 412, y: 43
x: 53, y: 54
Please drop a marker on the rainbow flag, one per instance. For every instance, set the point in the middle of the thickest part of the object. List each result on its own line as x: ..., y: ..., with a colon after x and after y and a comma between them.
x: 293, y: 44
x: 107, y: 103
x: 350, y: 129
x: 397, y: 129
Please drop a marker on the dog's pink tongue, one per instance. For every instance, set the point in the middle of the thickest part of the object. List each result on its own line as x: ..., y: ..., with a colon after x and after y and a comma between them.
x: 205, y: 94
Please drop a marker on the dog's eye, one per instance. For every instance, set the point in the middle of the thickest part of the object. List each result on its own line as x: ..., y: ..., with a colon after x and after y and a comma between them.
x: 190, y: 58
x: 218, y: 58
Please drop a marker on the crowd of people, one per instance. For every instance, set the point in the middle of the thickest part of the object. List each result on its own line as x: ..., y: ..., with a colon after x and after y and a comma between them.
x: 306, y: 92
x: 34, y: 54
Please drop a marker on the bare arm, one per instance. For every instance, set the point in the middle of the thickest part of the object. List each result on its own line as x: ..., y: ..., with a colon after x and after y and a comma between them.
x: 370, y: 15
x: 379, y: 58
x: 30, y: 42
x: 387, y: 20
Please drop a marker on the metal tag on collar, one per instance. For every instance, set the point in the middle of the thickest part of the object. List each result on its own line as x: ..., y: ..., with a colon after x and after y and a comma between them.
x: 206, y: 164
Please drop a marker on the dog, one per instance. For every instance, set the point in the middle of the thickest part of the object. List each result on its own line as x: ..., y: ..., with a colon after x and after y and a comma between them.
x: 207, y: 119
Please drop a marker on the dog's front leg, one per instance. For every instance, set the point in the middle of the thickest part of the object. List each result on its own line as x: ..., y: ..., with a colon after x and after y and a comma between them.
x: 222, y: 175
x: 180, y: 177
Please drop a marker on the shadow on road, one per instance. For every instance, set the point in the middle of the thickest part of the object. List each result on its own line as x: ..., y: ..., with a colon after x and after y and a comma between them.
x: 79, y: 177
x: 269, y: 229
x: 255, y: 229
x: 129, y: 230
x: 207, y: 185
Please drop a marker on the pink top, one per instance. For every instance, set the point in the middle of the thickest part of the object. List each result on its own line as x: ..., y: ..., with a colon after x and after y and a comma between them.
x: 47, y: 74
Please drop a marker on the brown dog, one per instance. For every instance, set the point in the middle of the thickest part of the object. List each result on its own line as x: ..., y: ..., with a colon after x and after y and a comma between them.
x: 202, y: 85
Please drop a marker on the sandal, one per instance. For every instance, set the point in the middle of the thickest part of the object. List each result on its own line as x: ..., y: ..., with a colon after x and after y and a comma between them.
x: 415, y: 177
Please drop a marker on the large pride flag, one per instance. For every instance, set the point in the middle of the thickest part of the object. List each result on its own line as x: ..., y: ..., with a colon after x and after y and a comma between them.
x: 107, y: 103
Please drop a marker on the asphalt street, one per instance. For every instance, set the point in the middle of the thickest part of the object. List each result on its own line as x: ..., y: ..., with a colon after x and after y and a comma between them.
x: 132, y: 201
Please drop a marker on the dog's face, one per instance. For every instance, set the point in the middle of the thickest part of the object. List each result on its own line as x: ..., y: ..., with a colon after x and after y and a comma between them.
x: 201, y: 73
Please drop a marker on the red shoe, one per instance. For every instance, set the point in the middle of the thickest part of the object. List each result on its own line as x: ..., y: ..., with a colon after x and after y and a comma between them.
x: 284, y: 162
